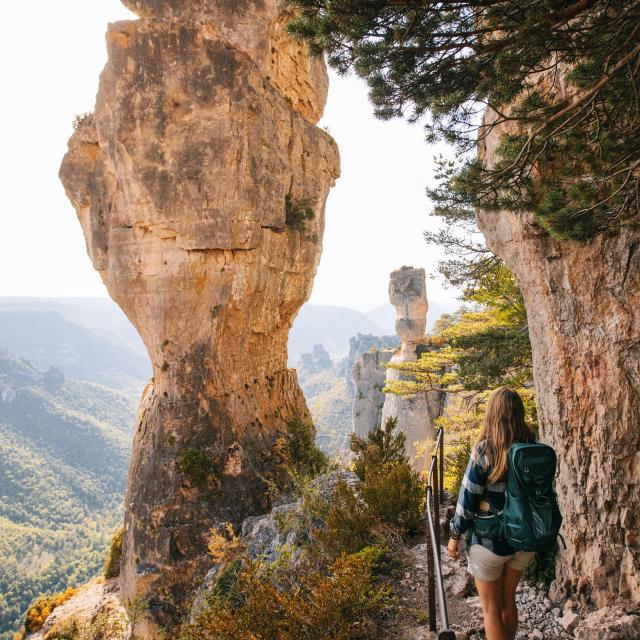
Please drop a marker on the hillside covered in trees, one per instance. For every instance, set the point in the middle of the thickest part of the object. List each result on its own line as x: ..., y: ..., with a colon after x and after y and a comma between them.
x: 64, y: 450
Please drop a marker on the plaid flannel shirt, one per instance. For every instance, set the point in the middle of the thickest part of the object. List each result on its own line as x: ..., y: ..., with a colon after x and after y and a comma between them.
x: 475, y: 488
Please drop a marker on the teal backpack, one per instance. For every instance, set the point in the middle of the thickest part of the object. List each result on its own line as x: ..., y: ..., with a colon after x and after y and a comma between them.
x: 530, y: 520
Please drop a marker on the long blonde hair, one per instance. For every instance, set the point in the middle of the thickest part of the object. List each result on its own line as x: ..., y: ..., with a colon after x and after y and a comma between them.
x: 503, y: 424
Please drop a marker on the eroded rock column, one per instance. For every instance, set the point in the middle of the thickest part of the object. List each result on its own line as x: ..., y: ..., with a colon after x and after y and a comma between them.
x: 583, y: 307
x: 415, y: 413
x: 369, y: 374
x: 200, y: 182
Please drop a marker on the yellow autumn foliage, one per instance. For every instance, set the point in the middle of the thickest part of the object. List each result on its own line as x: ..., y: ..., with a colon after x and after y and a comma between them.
x: 40, y: 610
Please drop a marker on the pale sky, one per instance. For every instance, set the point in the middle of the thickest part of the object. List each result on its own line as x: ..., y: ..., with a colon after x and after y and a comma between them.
x: 51, y: 54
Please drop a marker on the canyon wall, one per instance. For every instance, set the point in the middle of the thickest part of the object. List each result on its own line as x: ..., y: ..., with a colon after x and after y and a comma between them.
x: 200, y: 182
x: 583, y: 306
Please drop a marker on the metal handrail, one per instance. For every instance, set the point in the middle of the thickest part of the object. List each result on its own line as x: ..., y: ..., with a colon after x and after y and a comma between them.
x: 434, y: 494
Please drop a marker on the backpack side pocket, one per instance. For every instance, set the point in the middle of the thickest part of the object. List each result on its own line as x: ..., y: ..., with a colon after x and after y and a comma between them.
x: 488, y: 525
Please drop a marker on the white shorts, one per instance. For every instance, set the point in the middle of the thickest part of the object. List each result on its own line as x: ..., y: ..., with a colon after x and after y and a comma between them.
x: 486, y: 565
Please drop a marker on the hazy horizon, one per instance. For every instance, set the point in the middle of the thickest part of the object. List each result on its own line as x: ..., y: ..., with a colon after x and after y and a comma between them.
x: 449, y: 303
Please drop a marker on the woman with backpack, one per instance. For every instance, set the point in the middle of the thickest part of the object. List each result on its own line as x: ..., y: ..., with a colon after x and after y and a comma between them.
x: 493, y: 561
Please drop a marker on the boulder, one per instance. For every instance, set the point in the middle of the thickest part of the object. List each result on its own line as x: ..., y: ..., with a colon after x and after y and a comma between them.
x: 610, y: 623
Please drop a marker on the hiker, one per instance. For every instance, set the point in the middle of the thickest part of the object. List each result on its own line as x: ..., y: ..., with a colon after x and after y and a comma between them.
x: 495, y: 565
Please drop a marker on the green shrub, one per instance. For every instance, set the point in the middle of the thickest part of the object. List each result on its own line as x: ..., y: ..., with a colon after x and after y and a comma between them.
x: 305, y: 457
x: 112, y: 563
x: 226, y: 588
x: 297, y: 213
x: 380, y: 446
x: 394, y: 494
x: 196, y: 466
x: 347, y: 602
x: 392, y: 490
x: 347, y: 524
x: 294, y: 459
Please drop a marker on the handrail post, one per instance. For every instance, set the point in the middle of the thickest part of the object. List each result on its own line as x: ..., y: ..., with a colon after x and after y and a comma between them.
x: 435, y: 583
x: 431, y: 580
x: 436, y: 513
x: 441, y: 468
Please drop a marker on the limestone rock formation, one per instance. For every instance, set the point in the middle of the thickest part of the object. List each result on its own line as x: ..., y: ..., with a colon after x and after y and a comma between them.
x: 200, y: 182
x: 415, y: 413
x: 361, y: 343
x: 316, y: 360
x: 262, y: 535
x: 610, y: 623
x: 369, y: 374
x: 408, y: 294
x: 583, y: 306
x: 94, y: 612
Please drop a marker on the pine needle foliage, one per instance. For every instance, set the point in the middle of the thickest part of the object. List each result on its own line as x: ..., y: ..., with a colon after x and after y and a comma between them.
x: 391, y: 489
x: 480, y: 347
x: 561, y: 79
x: 394, y: 493
x: 384, y: 445
x: 346, y: 524
x: 304, y: 455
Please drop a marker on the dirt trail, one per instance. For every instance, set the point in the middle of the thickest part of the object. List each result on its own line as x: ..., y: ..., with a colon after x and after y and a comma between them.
x: 539, y: 616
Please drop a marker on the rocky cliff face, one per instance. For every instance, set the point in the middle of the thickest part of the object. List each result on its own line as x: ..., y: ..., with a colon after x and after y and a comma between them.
x: 369, y: 373
x: 415, y: 413
x: 583, y: 305
x: 200, y: 182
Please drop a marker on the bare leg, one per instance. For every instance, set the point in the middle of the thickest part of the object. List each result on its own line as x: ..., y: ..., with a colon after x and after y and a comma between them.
x: 510, y: 579
x: 491, y: 600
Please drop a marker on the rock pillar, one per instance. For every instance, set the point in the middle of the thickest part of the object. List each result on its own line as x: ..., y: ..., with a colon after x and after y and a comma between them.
x: 415, y: 413
x: 200, y: 182
x: 369, y: 373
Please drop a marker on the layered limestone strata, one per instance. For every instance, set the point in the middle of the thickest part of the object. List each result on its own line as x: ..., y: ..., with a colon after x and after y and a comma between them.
x: 368, y: 374
x: 200, y: 182
x: 583, y: 307
x: 415, y: 413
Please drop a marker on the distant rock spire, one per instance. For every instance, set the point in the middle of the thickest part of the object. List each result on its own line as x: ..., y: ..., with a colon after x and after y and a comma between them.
x: 408, y: 294
x: 416, y: 413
